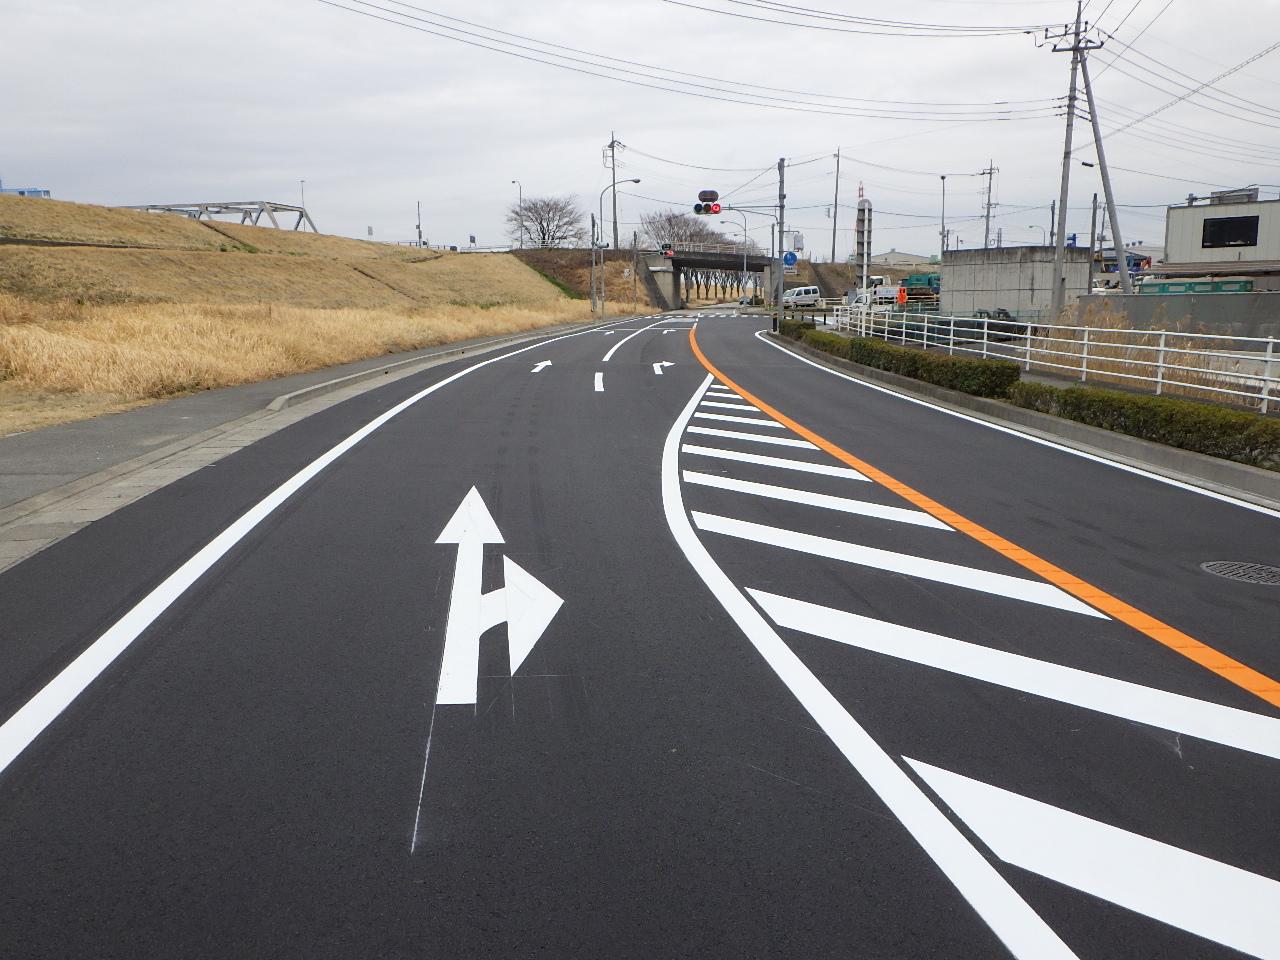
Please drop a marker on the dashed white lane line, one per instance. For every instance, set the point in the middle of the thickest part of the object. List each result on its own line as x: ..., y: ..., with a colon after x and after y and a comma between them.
x: 1239, y: 729
x: 799, y: 466
x: 1213, y: 900
x: 790, y: 495
x: 1018, y: 927
x: 599, y: 383
x: 998, y: 584
x: 757, y: 437
x: 751, y: 421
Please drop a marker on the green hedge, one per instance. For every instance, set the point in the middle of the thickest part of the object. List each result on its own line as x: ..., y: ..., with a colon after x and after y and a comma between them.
x: 982, y: 378
x: 794, y: 328
x: 1217, y: 431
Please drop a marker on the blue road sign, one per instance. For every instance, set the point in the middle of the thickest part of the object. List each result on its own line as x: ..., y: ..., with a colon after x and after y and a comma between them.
x: 789, y: 259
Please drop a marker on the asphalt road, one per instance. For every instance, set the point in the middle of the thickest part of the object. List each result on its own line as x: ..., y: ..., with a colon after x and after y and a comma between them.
x: 792, y: 667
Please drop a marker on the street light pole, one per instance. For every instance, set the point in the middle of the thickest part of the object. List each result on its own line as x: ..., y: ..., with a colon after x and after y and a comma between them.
x: 1044, y: 236
x: 520, y: 207
x: 745, y: 238
x: 943, y: 255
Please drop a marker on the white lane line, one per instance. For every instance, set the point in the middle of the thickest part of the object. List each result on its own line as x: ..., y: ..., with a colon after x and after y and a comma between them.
x: 33, y: 717
x: 752, y: 421
x: 1181, y: 485
x: 1239, y: 729
x: 614, y: 349
x: 757, y: 437
x: 729, y: 406
x: 1205, y: 897
x: 998, y: 584
x: 1019, y: 927
x: 805, y: 497
x: 599, y: 383
x: 800, y: 466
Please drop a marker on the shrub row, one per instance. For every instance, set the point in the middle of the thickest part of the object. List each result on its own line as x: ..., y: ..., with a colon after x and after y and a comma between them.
x: 982, y: 378
x: 1217, y: 431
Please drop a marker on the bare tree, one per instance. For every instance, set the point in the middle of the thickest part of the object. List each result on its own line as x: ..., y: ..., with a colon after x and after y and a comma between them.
x: 672, y: 227
x: 547, y: 222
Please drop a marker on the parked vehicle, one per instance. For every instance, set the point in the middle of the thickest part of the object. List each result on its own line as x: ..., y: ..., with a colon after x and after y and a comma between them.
x: 801, y: 297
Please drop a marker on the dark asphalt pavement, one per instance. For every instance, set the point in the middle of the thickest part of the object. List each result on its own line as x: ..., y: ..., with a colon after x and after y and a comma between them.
x: 674, y: 771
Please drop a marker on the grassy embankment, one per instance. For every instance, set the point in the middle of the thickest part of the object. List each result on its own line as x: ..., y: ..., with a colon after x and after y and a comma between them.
x: 144, y: 307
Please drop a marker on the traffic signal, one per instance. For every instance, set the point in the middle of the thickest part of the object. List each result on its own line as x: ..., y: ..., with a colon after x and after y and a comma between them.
x: 708, y: 203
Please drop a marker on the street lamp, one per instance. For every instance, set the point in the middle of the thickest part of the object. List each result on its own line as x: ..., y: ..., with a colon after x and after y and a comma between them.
x: 745, y: 238
x: 600, y: 227
x: 1044, y: 236
x: 520, y: 207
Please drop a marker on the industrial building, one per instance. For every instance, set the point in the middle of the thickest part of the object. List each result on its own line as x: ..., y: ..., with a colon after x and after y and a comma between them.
x: 24, y: 191
x: 1233, y: 233
x: 1016, y: 279
x: 896, y: 258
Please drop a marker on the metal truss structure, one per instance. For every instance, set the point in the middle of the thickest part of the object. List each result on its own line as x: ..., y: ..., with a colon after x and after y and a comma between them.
x: 250, y: 211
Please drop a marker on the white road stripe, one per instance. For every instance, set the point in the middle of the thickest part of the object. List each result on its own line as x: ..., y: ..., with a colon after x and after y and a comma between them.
x: 1020, y: 928
x: 746, y: 407
x: 1239, y: 729
x: 616, y: 346
x: 999, y: 584
x: 790, y: 495
x: 33, y: 717
x: 599, y: 383
x: 752, y: 421
x: 757, y: 437
x: 799, y: 466
x: 1213, y: 900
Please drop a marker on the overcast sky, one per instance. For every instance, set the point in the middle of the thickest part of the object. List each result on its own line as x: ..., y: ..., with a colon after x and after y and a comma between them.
x: 140, y: 101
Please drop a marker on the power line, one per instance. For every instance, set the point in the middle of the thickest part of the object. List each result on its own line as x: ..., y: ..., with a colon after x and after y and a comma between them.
x: 871, y: 26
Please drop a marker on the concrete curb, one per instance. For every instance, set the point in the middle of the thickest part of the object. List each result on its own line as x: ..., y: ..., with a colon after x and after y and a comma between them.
x: 1251, y: 484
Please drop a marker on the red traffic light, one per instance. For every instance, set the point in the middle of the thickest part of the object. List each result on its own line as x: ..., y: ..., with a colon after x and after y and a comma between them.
x: 706, y: 209
x: 715, y: 208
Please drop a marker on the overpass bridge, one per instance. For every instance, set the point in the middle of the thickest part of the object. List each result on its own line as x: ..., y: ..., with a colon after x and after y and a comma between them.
x: 667, y: 266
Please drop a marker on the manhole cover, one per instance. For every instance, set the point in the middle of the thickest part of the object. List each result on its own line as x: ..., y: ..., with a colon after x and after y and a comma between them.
x: 1244, y: 572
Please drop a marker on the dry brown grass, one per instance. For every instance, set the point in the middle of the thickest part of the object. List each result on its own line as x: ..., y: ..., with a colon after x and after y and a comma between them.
x: 61, y: 361
x: 30, y: 219
x: 1117, y: 357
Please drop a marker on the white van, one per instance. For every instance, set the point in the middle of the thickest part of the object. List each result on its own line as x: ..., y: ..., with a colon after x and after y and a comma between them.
x: 799, y: 297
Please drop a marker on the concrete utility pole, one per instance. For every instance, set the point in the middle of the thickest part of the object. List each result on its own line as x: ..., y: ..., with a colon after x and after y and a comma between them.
x: 1060, y: 237
x: 835, y: 208
x: 989, y: 173
x: 1122, y: 259
x: 419, y: 223
x: 782, y: 203
x: 613, y: 166
x: 595, y: 242
x: 1093, y: 239
x: 1053, y: 219
x: 943, y: 231
x: 520, y: 207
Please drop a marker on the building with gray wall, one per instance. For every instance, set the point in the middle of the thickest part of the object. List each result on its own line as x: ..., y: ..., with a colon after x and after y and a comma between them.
x: 24, y: 191
x: 1017, y: 279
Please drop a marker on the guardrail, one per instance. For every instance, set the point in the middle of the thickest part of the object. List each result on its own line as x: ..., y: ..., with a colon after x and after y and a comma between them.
x: 734, y: 248
x: 1241, y: 370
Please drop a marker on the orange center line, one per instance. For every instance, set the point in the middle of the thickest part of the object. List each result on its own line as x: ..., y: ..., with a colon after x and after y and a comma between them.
x: 1229, y: 669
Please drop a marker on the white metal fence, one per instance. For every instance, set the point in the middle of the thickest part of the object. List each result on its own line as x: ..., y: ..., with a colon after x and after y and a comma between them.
x: 1240, y: 370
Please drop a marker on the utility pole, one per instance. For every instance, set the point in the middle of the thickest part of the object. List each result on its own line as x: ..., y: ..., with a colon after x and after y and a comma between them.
x: 419, y: 223
x: 1053, y: 220
x: 989, y: 173
x: 635, y: 270
x: 302, y: 186
x: 1122, y: 259
x: 782, y: 204
x: 594, y: 244
x: 944, y: 219
x: 1060, y: 238
x: 835, y: 208
x: 1093, y: 239
x: 613, y: 166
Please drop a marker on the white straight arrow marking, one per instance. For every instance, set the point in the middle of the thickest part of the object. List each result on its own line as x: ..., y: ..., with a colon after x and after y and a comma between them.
x: 526, y: 605
x: 540, y: 366
x: 657, y: 367
x: 1213, y: 900
x: 599, y: 383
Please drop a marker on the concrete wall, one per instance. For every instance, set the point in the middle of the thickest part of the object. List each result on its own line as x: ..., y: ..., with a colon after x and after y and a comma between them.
x: 1232, y: 314
x: 1019, y: 279
x: 1184, y: 233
